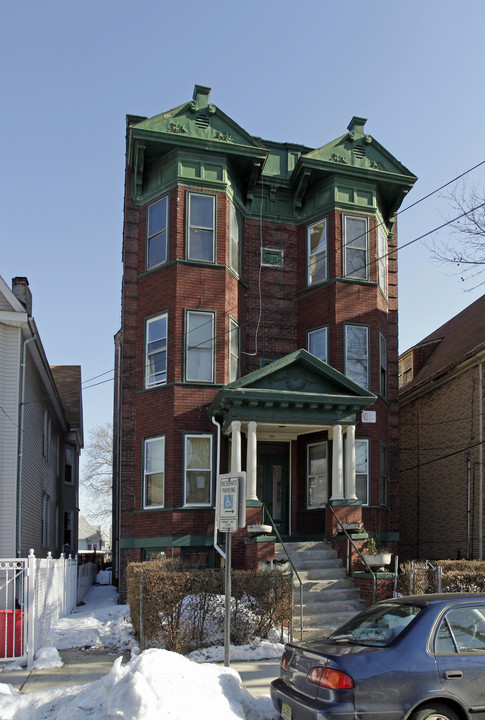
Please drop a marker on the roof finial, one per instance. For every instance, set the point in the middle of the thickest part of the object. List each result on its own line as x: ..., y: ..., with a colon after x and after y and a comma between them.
x: 356, y: 125
x: 201, y: 96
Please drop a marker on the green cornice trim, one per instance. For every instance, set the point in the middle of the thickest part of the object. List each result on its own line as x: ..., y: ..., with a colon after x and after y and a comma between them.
x: 166, y: 541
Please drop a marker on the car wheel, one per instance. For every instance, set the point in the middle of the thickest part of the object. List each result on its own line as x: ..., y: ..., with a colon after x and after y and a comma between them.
x: 435, y: 712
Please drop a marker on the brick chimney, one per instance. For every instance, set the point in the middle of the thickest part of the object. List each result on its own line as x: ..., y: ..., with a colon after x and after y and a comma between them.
x: 21, y: 290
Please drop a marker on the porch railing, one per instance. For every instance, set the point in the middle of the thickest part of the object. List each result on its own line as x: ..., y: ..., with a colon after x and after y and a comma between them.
x: 295, y: 571
x: 362, y: 557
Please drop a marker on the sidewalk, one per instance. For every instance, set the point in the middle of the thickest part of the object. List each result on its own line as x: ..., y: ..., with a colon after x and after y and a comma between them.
x: 86, y: 666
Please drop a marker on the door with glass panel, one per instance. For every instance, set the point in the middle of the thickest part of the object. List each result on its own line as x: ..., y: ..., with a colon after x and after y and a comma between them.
x: 273, y: 482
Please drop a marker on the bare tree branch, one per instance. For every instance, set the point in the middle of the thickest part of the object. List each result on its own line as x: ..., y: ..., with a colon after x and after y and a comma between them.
x: 465, y: 248
x: 97, y: 476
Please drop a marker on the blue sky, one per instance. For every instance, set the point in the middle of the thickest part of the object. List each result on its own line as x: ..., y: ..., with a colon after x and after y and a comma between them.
x: 70, y: 72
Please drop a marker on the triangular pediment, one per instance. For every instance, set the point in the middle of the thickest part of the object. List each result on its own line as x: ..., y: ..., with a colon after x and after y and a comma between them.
x: 198, y: 120
x: 298, y: 389
x: 360, y: 150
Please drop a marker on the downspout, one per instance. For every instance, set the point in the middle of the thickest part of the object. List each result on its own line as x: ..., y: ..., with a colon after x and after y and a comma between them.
x: 468, y: 506
x: 21, y: 448
x: 218, y: 470
x: 480, y: 461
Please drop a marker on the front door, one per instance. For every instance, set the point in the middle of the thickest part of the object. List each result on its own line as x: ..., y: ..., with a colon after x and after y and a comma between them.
x: 272, y: 489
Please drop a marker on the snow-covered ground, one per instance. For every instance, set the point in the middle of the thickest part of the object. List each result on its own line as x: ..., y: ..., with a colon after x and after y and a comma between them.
x: 152, y: 685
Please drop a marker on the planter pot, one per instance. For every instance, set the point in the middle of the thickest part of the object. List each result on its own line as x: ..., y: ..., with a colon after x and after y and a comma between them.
x: 379, y: 559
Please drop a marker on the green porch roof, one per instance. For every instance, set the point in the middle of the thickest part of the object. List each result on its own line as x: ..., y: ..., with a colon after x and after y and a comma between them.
x: 298, y: 390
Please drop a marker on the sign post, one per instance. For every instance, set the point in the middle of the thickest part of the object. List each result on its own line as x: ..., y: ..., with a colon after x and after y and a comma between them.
x: 230, y: 515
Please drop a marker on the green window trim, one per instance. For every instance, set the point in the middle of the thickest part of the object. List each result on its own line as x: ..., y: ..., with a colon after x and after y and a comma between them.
x: 201, y: 227
x: 355, y: 247
x: 198, y: 469
x: 153, y: 473
x: 199, y: 346
x: 157, y: 233
x: 317, y: 251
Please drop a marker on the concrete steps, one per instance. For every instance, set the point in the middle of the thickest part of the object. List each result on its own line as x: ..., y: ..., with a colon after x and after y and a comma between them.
x: 329, y: 596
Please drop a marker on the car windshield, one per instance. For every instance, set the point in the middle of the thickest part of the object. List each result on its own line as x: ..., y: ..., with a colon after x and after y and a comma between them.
x: 378, y: 626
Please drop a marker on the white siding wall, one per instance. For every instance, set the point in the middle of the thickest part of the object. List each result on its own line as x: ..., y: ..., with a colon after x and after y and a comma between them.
x: 39, y: 474
x: 10, y: 360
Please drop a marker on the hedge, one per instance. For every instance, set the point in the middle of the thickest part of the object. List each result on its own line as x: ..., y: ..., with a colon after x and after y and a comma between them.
x: 183, y: 610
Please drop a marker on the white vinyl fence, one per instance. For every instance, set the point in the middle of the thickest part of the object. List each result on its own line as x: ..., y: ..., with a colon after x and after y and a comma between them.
x: 34, y: 593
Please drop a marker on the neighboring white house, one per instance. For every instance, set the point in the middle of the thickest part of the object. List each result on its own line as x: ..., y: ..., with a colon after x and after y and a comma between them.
x: 41, y: 436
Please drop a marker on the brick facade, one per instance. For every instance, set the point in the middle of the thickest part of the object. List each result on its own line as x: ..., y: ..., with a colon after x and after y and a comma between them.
x: 274, y: 306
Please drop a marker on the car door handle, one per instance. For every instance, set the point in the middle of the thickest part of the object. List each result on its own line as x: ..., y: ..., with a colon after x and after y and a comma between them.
x: 451, y: 674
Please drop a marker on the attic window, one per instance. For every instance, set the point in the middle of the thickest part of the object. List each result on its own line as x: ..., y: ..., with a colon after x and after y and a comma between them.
x: 359, y: 151
x: 202, y: 121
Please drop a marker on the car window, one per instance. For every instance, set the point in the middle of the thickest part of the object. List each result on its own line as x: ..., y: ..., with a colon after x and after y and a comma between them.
x: 377, y: 626
x: 462, y: 630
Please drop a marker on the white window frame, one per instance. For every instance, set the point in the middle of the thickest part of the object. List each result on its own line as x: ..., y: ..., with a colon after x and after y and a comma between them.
x: 202, y: 228
x: 359, y: 245
x: 157, y: 235
x: 356, y: 358
x: 234, y: 341
x: 235, y: 231
x: 313, y: 337
x: 206, y: 470
x: 365, y: 443
x: 153, y: 378
x: 147, y: 443
x: 317, y: 258
x: 206, y: 346
x: 382, y: 259
x: 313, y: 476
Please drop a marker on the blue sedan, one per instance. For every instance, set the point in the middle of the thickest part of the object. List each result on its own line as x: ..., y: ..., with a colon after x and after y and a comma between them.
x: 416, y: 658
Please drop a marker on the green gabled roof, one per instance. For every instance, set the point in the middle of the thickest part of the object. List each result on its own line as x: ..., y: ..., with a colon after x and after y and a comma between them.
x: 358, y: 154
x: 297, y: 389
x: 197, y: 123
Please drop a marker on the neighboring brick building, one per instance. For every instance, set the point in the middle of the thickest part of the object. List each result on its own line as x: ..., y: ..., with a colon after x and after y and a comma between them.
x: 259, y: 297
x: 441, y: 441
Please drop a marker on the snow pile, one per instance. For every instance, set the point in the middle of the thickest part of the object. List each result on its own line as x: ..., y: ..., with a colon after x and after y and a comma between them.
x: 155, y: 684
x: 99, y: 622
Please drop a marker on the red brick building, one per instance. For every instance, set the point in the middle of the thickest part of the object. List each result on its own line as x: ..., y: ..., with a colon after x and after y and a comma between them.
x: 441, y: 441
x: 259, y: 323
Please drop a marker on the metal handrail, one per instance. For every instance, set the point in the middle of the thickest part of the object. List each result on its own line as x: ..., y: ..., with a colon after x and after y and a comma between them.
x: 280, y: 540
x: 349, y: 539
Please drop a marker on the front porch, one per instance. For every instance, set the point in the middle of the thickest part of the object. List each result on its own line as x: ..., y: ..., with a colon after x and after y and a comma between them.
x: 291, y: 427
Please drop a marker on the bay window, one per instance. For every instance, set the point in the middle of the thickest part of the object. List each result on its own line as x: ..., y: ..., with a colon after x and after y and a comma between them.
x: 154, y: 472
x: 198, y: 470
x: 156, y: 351
x: 355, y: 247
x: 317, y: 252
x: 201, y: 233
x: 357, y: 354
x: 199, y: 346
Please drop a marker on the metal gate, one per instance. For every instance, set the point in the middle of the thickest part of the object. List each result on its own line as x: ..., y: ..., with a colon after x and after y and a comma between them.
x: 424, y: 578
x: 13, y: 608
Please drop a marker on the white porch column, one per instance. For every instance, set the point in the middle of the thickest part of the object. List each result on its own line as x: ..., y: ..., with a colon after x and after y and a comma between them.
x: 236, y: 446
x: 350, y: 493
x: 337, y: 464
x: 251, y: 462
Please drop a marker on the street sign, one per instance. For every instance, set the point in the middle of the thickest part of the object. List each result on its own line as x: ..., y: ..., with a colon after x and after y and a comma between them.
x: 230, y: 500
x: 228, y: 503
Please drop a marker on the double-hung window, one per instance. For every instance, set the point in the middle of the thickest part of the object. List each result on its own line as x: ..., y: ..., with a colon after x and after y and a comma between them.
x: 156, y: 351
x: 233, y: 350
x: 154, y: 472
x: 198, y: 470
x: 317, y: 251
x: 382, y: 259
x: 317, y: 343
x: 357, y: 354
x: 317, y: 475
x: 355, y: 247
x: 382, y: 365
x: 157, y: 214
x: 199, y: 346
x: 201, y: 235
x: 362, y: 470
x: 234, y: 238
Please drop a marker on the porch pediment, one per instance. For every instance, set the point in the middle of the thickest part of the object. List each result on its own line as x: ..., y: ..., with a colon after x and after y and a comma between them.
x: 298, y: 389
